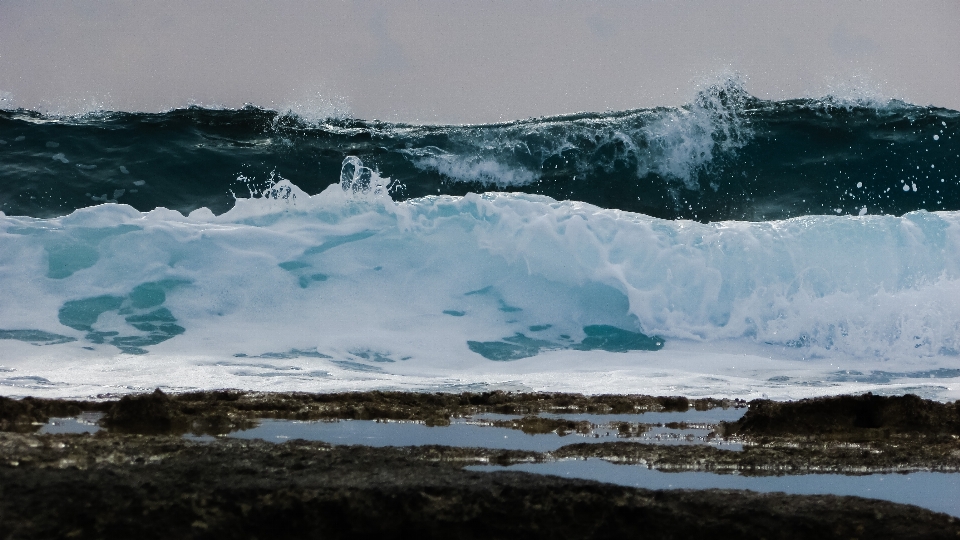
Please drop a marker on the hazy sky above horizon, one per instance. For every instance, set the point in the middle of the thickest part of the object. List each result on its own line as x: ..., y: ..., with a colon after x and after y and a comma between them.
x: 439, y: 61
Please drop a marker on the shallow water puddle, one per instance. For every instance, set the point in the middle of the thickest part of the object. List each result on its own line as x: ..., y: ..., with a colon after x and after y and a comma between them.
x: 488, y: 430
x: 492, y: 431
x: 711, y: 416
x: 85, y: 423
x: 464, y: 433
x: 936, y: 491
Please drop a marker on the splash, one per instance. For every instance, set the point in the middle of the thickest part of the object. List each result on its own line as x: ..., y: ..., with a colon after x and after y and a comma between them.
x: 314, y: 111
x: 726, y: 155
x: 361, y: 181
x: 375, y: 292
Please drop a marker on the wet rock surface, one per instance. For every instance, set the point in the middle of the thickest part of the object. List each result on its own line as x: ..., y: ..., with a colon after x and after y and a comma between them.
x: 126, y: 486
x: 534, y: 425
x: 218, y: 412
x: 778, y: 458
x: 26, y: 414
x: 863, y: 417
x: 140, y: 478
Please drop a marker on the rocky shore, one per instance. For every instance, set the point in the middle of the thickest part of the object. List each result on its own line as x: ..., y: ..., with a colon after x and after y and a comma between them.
x: 139, y: 477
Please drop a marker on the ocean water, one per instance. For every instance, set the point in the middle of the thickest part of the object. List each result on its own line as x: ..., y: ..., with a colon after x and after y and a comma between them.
x: 733, y: 247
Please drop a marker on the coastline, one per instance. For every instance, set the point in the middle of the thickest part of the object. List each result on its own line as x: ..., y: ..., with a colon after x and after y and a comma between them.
x: 140, y: 476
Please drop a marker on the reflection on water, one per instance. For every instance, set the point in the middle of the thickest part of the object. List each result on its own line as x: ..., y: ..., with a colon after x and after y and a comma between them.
x: 936, y: 491
x: 711, y: 416
x: 85, y: 423
x: 691, y: 427
x: 488, y: 430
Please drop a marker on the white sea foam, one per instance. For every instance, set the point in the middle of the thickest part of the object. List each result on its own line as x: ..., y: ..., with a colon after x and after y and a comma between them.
x: 482, y: 170
x: 7, y: 103
x: 349, y: 289
x: 316, y: 109
x: 684, y: 140
x: 675, y: 143
x: 852, y: 92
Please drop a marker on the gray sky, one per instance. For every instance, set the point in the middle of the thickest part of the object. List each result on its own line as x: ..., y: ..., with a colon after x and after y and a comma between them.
x: 468, y: 61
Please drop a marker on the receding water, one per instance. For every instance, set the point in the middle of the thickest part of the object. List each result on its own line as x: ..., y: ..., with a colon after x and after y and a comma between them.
x: 932, y: 490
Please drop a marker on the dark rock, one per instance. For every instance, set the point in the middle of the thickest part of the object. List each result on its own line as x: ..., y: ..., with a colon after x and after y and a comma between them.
x: 850, y: 417
x: 145, y: 413
x: 533, y: 425
x: 218, y: 412
x: 165, y: 487
x: 25, y: 415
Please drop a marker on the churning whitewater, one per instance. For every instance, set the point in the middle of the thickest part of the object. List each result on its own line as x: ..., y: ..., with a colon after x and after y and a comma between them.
x: 375, y: 283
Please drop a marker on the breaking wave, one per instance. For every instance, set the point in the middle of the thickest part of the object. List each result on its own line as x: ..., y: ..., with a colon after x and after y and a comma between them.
x: 725, y: 156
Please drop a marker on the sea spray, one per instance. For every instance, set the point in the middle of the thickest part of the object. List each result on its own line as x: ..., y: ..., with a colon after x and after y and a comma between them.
x: 350, y: 285
x: 725, y: 156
